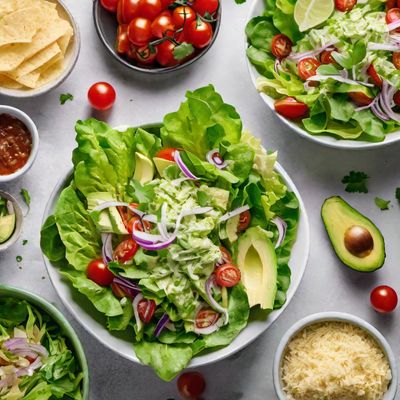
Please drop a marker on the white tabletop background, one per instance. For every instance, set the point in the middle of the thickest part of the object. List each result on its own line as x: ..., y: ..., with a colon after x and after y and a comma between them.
x: 317, y: 171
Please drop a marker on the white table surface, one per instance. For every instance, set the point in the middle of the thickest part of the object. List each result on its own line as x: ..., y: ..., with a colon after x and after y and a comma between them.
x: 317, y: 172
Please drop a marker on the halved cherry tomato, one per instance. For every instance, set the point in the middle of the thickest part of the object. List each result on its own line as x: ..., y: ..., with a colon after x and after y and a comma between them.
x: 206, y: 318
x: 127, y: 10
x: 146, y: 55
x: 307, y: 67
x: 396, y: 60
x: 149, y: 9
x: 199, y: 33
x: 167, y: 153
x: 360, y: 99
x: 291, y: 108
x: 391, y: 4
x: 146, y: 309
x: 137, y: 224
x: 122, y: 45
x: 227, y: 275
x: 191, y: 385
x: 102, y: 96
x: 165, y: 54
x: 244, y: 221
x: 384, y: 299
x: 226, y: 257
x: 126, y: 214
x: 98, y: 272
x: 345, y: 5
x: 139, y: 31
x: 326, y: 57
x: 162, y: 26
x: 125, y: 251
x: 110, y: 5
x: 393, y: 15
x: 396, y: 98
x: 371, y: 71
x: 281, y: 46
x: 183, y: 15
x: 117, y: 290
x: 204, y: 7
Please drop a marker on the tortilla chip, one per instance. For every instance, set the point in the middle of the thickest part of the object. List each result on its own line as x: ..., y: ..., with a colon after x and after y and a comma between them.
x: 10, y: 6
x: 64, y: 41
x: 9, y: 83
x: 51, y: 74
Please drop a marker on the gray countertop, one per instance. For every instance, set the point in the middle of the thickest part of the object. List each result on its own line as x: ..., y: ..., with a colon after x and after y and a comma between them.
x: 317, y: 171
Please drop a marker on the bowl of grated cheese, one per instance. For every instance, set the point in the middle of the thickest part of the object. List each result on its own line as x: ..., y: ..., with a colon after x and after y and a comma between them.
x: 334, y: 356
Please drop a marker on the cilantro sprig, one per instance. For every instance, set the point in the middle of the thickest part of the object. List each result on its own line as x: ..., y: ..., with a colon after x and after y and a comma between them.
x: 356, y: 182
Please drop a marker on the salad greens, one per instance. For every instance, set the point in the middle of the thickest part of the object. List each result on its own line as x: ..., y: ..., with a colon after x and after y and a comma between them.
x: 382, y: 203
x: 166, y: 291
x: 337, y: 89
x: 356, y: 182
x: 35, y: 361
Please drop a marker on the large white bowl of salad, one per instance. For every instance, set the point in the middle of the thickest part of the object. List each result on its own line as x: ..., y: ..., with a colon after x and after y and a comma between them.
x: 175, y: 244
x: 329, y: 68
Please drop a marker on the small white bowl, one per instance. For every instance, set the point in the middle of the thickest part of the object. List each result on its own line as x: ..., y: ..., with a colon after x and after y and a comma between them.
x: 327, y: 317
x: 35, y: 141
x: 19, y: 218
x: 70, y: 59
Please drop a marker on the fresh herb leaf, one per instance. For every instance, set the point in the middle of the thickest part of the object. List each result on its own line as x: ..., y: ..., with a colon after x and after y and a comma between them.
x: 353, y: 57
x: 24, y: 242
x: 18, y: 258
x: 327, y: 69
x: 398, y: 194
x: 26, y: 196
x: 382, y: 203
x: 356, y: 182
x: 64, y: 97
x: 183, y: 50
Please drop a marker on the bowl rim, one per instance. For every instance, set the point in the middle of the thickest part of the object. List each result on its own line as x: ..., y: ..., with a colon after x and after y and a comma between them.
x: 27, y: 120
x: 327, y: 317
x: 75, y: 51
x: 60, y: 319
x: 19, y: 221
x: 160, y: 70
x: 324, y: 140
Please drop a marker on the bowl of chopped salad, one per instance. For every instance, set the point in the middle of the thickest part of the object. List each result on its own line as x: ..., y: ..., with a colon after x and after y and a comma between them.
x: 329, y: 69
x: 40, y: 354
x: 185, y: 239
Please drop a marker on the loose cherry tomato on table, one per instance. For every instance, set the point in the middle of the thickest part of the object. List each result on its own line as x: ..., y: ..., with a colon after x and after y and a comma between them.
x: 183, y: 15
x: 244, y: 221
x: 384, y: 299
x: 110, y: 5
x: 125, y: 251
x: 206, y: 318
x: 281, y: 46
x: 199, y: 33
x: 393, y: 15
x: 371, y: 71
x: 307, y: 67
x: 98, y: 272
x: 102, y: 96
x: 396, y: 98
x: 291, y: 108
x: 146, y: 309
x: 127, y: 10
x: 149, y: 9
x: 396, y: 60
x: 226, y: 257
x: 122, y: 45
x: 204, y: 7
x: 191, y: 385
x: 326, y: 57
x: 162, y: 26
x: 146, y: 55
x: 167, y: 153
x: 360, y: 99
x: 227, y: 275
x: 345, y: 5
x: 139, y: 31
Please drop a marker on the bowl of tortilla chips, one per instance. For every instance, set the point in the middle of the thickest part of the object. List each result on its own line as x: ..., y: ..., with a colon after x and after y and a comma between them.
x: 39, y: 46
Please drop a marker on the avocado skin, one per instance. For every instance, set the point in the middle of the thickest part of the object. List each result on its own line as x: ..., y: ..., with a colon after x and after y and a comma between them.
x: 355, y: 263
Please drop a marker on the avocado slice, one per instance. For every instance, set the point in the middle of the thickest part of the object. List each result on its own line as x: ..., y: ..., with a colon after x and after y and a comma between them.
x: 231, y: 228
x: 7, y: 227
x: 258, y: 265
x: 356, y: 240
x: 144, y: 169
x: 161, y: 164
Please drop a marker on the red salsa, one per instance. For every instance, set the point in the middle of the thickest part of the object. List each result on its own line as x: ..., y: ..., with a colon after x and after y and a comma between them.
x: 15, y: 144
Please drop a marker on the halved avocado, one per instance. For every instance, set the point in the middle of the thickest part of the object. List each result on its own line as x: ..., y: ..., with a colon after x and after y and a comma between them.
x: 356, y: 240
x: 7, y: 227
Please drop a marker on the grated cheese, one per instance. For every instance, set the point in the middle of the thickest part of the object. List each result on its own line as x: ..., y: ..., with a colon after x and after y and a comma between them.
x: 335, y: 361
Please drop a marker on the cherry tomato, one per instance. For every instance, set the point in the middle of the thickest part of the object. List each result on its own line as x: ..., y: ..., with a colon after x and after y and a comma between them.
x: 110, y: 5
x: 127, y: 10
x: 204, y: 7
x: 146, y: 55
x: 393, y: 15
x: 226, y: 257
x: 139, y: 31
x: 244, y: 221
x: 345, y: 5
x: 198, y: 33
x: 149, y: 9
x: 227, y: 275
x: 183, y: 15
x: 191, y: 385
x: 122, y: 45
x: 371, y: 71
x: 118, y: 291
x: 206, y: 318
x: 360, y: 99
x: 396, y: 60
x: 396, y: 98
x: 391, y: 4
x: 307, y: 67
x: 125, y: 251
x: 167, y: 153
x: 326, y: 57
x: 291, y: 108
x: 98, y: 272
x: 146, y: 309
x: 165, y: 54
x: 166, y: 3
x: 384, y: 299
x: 281, y: 46
x: 102, y: 96
x: 136, y: 224
x: 162, y: 26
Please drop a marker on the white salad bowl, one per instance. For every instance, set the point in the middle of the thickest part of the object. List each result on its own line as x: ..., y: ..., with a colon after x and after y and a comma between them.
x: 327, y: 317
x: 81, y: 308
x: 256, y: 9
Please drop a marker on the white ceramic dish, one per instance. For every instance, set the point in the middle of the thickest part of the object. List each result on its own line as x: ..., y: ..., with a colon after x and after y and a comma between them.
x: 19, y: 218
x: 257, y: 9
x: 82, y: 309
x: 333, y: 316
x: 35, y: 141
x: 71, y: 57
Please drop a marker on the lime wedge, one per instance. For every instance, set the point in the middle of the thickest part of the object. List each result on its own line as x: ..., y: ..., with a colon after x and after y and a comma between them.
x: 310, y: 13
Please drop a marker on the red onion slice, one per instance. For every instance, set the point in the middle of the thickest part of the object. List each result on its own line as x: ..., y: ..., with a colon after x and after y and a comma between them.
x: 157, y: 246
x: 150, y: 218
x: 214, y: 158
x: 210, y: 284
x: 385, y: 101
x: 394, y: 25
x: 384, y: 46
x: 312, y: 53
x: 321, y: 78
x: 162, y: 323
x: 233, y: 213
x: 282, y: 228
x: 107, y: 249
x: 135, y: 303
x: 31, y: 369
x: 185, y: 170
x: 109, y: 204
x: 146, y: 237
x: 128, y: 287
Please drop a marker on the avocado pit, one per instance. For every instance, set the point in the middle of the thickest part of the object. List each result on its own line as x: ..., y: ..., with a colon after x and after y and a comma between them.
x: 359, y: 241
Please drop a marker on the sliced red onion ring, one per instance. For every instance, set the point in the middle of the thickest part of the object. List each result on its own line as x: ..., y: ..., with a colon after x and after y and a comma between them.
x: 109, y: 204
x: 8, y: 381
x: 162, y: 323
x: 130, y: 288
x: 384, y: 46
x: 394, y: 25
x: 39, y: 349
x: 282, y: 228
x: 210, y: 284
x: 320, y: 78
x: 156, y: 246
x: 107, y: 250
x: 385, y: 101
x: 277, y: 65
x: 233, y: 213
x: 15, y: 343
x: 376, y: 109
x: 135, y: 303
x: 185, y: 170
x: 150, y: 218
x: 31, y: 369
x: 146, y: 237
x: 312, y: 53
x: 214, y: 158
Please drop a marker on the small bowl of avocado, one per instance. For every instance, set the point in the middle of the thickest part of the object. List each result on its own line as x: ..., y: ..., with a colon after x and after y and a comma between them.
x: 10, y: 220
